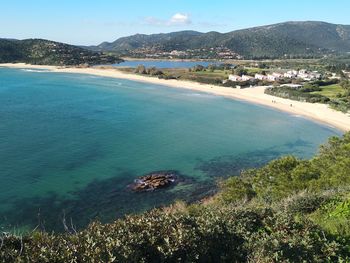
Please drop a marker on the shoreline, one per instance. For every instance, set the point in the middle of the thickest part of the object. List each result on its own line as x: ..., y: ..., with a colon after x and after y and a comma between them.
x: 315, y: 111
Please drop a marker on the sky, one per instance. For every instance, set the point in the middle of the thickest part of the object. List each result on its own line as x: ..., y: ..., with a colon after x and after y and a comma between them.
x: 90, y: 22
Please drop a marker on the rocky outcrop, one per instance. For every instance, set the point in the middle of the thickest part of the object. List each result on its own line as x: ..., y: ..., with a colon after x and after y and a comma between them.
x: 153, y: 181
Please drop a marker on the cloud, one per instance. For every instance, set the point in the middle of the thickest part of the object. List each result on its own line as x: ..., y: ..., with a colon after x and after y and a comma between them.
x: 180, y: 19
x: 177, y: 19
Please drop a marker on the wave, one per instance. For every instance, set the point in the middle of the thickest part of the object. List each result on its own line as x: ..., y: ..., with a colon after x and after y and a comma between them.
x: 35, y: 70
x: 298, y: 116
x: 199, y: 94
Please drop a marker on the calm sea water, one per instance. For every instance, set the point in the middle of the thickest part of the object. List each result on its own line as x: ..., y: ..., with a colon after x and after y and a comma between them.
x: 70, y: 144
x: 164, y: 63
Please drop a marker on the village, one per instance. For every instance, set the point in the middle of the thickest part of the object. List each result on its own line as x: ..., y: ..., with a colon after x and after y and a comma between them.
x: 285, y: 78
x: 275, y: 76
x: 221, y: 53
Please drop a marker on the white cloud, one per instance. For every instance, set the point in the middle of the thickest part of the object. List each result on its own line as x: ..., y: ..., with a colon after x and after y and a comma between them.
x: 177, y: 19
x: 180, y: 19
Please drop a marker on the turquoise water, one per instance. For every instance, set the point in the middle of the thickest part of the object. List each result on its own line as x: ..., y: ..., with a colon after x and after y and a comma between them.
x: 164, y: 63
x: 70, y: 144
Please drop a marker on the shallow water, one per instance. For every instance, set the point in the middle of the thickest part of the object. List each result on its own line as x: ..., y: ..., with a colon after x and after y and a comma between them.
x: 70, y: 144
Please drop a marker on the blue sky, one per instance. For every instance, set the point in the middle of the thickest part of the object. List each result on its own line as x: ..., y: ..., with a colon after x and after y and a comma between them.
x: 89, y: 22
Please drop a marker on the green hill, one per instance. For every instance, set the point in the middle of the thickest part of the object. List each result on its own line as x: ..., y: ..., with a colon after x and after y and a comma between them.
x: 291, y: 39
x: 45, y: 52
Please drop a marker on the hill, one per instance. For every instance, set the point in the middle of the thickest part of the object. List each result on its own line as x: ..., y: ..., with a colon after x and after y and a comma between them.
x: 289, y: 39
x: 45, y: 52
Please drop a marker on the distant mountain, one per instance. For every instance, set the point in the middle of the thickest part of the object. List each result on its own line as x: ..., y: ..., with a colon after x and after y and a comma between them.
x: 292, y: 39
x: 39, y: 51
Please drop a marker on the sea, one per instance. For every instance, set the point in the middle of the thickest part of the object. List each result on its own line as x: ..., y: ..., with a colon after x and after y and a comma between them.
x: 71, y: 145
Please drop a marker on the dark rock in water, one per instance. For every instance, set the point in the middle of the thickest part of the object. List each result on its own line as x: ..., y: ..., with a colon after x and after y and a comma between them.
x: 153, y: 181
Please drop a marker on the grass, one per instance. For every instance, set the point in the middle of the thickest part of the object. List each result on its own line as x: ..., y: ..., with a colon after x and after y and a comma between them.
x: 256, y: 70
x: 330, y: 91
x: 215, y: 73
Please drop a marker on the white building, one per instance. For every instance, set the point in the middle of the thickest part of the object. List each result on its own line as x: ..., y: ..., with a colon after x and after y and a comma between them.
x: 246, y: 78
x: 291, y: 74
x: 271, y: 77
x: 316, y: 75
x: 260, y: 77
x: 303, y: 74
x: 334, y: 76
x: 234, y: 78
x: 294, y: 86
x: 346, y: 73
x: 274, y: 76
x: 277, y: 75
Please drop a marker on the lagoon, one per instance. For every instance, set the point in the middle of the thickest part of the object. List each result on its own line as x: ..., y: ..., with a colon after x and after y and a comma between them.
x: 70, y: 144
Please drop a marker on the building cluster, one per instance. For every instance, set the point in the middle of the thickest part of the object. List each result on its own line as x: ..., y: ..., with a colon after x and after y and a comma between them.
x: 159, y: 52
x: 346, y: 73
x: 275, y: 76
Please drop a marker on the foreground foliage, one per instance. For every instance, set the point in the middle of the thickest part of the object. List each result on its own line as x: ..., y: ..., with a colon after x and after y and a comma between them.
x: 198, y: 234
x: 291, y: 210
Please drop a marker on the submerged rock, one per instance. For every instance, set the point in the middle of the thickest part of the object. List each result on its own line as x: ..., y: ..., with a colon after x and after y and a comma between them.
x: 154, y: 180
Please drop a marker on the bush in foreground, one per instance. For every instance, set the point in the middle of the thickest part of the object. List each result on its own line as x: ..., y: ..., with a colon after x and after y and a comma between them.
x: 197, y: 234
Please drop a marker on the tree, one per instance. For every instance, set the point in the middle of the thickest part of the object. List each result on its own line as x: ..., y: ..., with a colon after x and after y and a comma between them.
x: 141, y: 69
x: 240, y: 71
x: 345, y: 84
x: 262, y: 66
x: 153, y: 71
x: 198, y: 68
x: 211, y: 68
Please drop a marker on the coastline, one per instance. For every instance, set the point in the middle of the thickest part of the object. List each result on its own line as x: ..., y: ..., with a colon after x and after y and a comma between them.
x: 315, y: 111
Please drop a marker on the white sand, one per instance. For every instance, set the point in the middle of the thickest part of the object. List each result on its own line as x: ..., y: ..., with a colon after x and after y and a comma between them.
x: 315, y: 111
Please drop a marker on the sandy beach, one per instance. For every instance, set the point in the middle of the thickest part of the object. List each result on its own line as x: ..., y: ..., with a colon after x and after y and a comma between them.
x: 315, y: 111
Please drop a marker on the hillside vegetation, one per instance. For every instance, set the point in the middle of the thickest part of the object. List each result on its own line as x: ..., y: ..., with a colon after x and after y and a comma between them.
x: 45, y: 52
x: 290, y: 39
x: 290, y: 210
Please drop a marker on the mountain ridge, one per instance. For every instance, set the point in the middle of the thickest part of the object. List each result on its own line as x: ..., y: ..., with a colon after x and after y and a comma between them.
x: 47, y: 52
x: 291, y: 38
